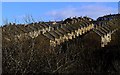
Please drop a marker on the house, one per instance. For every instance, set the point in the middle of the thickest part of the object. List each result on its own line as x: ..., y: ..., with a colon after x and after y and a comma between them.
x: 45, y: 27
x: 94, y: 39
x: 64, y: 33
x: 33, y: 30
x: 87, y: 18
x: 105, y: 40
x: 51, y: 39
x: 74, y: 29
x: 108, y: 33
x: 108, y: 17
x: 62, y: 40
x: 100, y: 36
x: 75, y: 20
x: 56, y: 36
x: 44, y: 42
x: 68, y: 20
x: 67, y: 32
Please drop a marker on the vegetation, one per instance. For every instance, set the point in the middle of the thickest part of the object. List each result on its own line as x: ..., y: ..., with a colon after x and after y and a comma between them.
x: 31, y: 56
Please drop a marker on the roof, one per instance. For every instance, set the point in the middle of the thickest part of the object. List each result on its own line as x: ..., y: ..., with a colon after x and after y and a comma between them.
x: 62, y: 31
x: 37, y: 26
x: 104, y: 29
x: 22, y: 29
x: 29, y: 27
x: 99, y: 29
x: 53, y: 33
x: 44, y: 24
x: 82, y: 25
x: 67, y: 20
x: 75, y: 26
x: 70, y: 28
x: 49, y: 36
x: 98, y: 32
x: 65, y: 29
x: 59, y: 33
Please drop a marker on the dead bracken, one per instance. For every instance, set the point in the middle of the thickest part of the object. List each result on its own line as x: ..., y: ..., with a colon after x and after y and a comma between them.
x: 75, y: 45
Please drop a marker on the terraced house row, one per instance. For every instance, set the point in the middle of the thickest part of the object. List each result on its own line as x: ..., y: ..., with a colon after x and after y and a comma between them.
x: 56, y: 33
x: 105, y: 34
x: 34, y: 29
x: 104, y: 28
x: 67, y: 33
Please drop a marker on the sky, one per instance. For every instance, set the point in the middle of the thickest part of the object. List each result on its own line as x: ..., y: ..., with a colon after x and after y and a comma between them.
x: 51, y: 11
x: 59, y: 0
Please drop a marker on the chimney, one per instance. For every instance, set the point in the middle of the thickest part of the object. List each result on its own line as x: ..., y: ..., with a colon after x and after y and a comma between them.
x: 14, y: 24
x: 61, y: 26
x: 57, y: 27
x: 54, y: 22
x: 54, y: 28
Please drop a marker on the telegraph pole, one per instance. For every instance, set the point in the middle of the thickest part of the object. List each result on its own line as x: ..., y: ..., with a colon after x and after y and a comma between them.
x: 119, y: 7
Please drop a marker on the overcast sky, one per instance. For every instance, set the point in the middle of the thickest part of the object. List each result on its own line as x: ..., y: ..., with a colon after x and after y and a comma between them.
x: 46, y: 11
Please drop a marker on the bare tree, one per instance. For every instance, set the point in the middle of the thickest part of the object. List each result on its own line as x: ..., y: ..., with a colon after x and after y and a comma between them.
x: 28, y: 19
x: 5, y: 21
